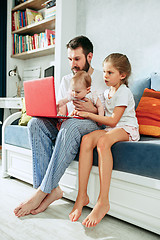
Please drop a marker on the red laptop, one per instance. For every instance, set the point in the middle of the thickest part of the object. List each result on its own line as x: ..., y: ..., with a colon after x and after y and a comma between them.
x: 40, y: 98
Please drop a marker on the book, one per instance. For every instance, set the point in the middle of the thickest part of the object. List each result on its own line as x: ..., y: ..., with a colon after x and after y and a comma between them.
x: 31, y: 14
x: 13, y: 22
x: 50, y: 12
x: 50, y: 34
x: 24, y: 43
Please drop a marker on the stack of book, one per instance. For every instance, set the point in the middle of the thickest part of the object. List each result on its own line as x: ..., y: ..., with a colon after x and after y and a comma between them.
x: 50, y: 12
x: 23, y: 18
x: 27, y: 43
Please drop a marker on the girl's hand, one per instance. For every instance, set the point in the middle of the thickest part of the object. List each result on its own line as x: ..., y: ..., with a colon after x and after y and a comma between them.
x: 82, y: 114
x: 74, y: 113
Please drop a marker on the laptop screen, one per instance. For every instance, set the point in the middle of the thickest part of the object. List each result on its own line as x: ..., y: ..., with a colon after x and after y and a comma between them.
x: 40, y: 97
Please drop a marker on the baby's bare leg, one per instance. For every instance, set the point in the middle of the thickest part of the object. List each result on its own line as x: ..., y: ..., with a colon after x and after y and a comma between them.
x: 105, y: 170
x: 88, y: 143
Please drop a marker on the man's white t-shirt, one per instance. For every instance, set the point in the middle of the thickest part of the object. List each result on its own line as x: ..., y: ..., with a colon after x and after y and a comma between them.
x: 122, y: 97
x: 97, y: 85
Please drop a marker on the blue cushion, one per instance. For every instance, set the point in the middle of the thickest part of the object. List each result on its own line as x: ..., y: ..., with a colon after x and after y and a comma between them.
x: 137, y: 87
x: 155, y: 81
x: 141, y: 158
x: 17, y: 136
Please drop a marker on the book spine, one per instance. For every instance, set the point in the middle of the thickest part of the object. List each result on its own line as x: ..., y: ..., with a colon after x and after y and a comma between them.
x: 13, y: 51
x: 13, y: 22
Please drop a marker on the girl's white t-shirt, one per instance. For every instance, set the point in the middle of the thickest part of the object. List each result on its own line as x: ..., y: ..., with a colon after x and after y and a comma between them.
x: 122, y: 97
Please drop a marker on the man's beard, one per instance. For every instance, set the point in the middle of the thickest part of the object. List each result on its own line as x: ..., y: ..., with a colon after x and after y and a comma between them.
x: 85, y: 67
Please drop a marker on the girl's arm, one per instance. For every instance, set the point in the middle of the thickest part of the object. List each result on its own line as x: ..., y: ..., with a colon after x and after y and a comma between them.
x: 100, y: 107
x: 109, y: 121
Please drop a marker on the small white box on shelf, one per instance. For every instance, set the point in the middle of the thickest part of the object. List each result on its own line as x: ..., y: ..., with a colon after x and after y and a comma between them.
x: 50, y: 12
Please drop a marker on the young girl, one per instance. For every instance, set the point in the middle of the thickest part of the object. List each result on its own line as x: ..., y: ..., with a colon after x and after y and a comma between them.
x: 121, y: 125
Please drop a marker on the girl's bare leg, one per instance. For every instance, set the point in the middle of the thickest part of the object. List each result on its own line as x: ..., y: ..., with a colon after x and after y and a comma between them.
x: 26, y: 207
x: 105, y: 170
x: 88, y: 143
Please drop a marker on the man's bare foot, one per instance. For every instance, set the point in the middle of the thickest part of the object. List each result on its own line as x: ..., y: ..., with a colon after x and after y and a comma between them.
x: 77, y: 209
x: 96, y: 215
x: 55, y: 194
x: 26, y: 207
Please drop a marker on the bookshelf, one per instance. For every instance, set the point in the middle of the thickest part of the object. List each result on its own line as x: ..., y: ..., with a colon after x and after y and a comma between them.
x: 35, y: 53
x: 31, y: 29
x: 64, y: 24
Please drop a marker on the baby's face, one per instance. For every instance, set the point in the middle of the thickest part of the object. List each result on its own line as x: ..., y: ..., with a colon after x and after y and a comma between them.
x: 79, y: 91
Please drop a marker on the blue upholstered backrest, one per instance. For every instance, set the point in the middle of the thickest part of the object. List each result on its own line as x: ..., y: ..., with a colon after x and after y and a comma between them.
x: 137, y: 88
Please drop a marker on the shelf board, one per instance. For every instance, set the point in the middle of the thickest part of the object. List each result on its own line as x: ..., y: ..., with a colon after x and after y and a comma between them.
x: 33, y: 4
x: 35, y: 53
x: 48, y: 23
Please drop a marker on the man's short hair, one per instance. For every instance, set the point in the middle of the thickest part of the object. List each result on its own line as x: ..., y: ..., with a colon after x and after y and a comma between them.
x: 83, y: 42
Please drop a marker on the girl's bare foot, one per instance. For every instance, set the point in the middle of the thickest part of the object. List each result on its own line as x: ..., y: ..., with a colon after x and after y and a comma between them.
x: 81, y: 201
x: 26, y: 207
x: 56, y: 194
x: 96, y: 215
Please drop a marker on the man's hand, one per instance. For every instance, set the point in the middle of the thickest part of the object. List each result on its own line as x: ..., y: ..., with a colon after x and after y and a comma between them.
x: 86, y: 106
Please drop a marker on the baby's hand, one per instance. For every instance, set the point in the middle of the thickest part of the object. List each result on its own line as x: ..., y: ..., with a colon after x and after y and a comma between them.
x: 74, y: 113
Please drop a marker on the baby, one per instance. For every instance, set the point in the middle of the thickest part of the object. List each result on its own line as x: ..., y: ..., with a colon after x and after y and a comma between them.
x: 80, y: 89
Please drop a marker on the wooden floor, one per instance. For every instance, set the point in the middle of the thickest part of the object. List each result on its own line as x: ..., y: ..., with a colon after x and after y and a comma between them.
x: 54, y: 224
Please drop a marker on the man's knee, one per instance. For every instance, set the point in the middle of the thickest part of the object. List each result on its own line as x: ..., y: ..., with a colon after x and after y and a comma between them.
x: 32, y: 123
x: 70, y: 127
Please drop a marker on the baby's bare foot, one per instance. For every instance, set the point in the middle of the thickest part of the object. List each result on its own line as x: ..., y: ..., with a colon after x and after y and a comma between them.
x: 56, y: 194
x: 77, y: 209
x: 96, y: 215
x: 26, y: 207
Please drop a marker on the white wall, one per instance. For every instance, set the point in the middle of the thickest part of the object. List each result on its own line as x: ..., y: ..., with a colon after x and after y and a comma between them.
x: 131, y: 27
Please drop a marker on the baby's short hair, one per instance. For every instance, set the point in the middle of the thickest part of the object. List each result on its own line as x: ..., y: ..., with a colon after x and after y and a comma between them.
x: 82, y: 77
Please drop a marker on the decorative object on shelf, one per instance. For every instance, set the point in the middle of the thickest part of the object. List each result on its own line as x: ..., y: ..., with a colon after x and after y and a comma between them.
x: 31, y: 16
x: 17, y: 2
x: 38, y: 18
x: 49, y: 3
x: 14, y: 73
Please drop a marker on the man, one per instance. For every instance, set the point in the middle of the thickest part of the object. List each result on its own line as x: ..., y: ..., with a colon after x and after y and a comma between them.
x: 50, y: 163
